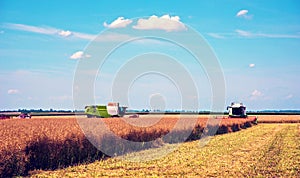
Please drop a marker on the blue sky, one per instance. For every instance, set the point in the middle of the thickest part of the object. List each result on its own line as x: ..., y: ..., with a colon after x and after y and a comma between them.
x: 256, y: 42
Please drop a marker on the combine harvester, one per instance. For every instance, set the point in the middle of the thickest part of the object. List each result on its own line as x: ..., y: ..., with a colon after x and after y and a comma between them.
x: 103, y: 111
x: 237, y: 110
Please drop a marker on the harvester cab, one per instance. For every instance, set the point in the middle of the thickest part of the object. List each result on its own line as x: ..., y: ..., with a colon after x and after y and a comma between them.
x: 115, y: 110
x: 237, y: 110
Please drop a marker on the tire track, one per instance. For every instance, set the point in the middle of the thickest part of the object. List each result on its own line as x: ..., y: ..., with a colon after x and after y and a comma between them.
x: 274, y: 161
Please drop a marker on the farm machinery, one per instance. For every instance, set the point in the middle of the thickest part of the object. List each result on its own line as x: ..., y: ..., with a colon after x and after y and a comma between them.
x: 237, y: 110
x: 105, y: 111
x: 4, y: 116
x: 24, y: 116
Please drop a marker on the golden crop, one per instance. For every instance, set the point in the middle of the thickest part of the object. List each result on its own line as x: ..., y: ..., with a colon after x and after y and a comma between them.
x: 54, y: 141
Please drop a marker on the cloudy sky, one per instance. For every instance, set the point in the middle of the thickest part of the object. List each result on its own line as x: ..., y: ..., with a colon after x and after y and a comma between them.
x: 256, y: 43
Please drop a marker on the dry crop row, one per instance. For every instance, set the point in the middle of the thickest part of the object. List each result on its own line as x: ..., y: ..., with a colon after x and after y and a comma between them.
x: 54, y: 142
x: 266, y: 150
x: 279, y: 119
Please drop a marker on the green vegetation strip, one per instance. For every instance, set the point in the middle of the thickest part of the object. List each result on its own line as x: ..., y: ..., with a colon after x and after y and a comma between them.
x: 266, y: 150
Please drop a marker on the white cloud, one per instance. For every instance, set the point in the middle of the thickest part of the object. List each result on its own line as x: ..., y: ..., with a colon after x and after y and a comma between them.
x: 165, y: 22
x: 13, y: 91
x: 216, y: 35
x: 73, y: 35
x: 79, y: 55
x: 249, y: 34
x: 251, y: 65
x: 48, y: 31
x: 54, y: 32
x: 276, y: 35
x: 256, y: 93
x: 108, y: 36
x: 32, y: 98
x: 289, y: 96
x: 84, y: 36
x: 65, y: 33
x: 120, y: 22
x: 244, y: 33
x: 34, y: 29
x: 242, y: 13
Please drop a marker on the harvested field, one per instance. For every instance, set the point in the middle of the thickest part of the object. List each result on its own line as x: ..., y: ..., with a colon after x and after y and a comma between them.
x: 56, y: 142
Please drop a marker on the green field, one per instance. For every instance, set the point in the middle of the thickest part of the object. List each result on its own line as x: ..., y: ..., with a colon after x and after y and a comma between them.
x: 265, y: 150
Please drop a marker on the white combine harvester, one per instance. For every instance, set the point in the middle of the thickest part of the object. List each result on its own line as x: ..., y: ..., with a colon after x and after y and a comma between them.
x: 237, y: 110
